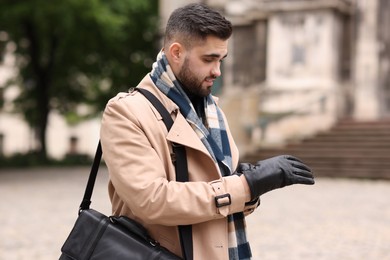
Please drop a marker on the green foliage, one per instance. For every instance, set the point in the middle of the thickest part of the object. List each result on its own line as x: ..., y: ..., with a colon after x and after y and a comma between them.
x: 77, y: 51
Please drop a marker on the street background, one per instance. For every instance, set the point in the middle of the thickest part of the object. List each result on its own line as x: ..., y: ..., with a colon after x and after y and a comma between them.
x: 334, y: 219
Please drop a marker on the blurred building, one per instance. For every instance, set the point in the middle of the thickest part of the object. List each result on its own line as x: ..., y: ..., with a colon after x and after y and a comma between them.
x: 295, y: 67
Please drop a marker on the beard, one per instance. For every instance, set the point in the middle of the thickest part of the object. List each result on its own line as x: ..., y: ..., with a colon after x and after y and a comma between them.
x: 190, y: 82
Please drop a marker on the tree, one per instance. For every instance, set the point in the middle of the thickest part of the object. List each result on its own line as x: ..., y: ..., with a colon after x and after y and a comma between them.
x: 76, y: 51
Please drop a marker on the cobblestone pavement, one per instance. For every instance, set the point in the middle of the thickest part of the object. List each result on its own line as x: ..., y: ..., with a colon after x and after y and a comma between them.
x: 334, y: 219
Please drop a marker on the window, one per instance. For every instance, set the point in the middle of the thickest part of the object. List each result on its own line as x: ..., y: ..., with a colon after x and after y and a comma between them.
x: 249, y: 61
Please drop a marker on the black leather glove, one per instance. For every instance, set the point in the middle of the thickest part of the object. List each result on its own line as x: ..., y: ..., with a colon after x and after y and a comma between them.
x: 274, y: 173
x: 243, y: 167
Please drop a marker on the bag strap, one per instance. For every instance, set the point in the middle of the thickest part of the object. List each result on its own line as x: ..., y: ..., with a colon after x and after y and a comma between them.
x: 185, y: 231
x: 179, y: 150
x: 180, y: 161
x: 86, y: 202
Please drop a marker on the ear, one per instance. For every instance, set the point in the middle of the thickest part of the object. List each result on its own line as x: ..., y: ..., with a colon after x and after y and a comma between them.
x: 176, y: 52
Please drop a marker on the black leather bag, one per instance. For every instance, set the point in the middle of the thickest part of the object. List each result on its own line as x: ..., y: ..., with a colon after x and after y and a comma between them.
x: 96, y: 236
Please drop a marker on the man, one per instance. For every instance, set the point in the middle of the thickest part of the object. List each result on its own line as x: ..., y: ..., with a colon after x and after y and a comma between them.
x: 137, y: 147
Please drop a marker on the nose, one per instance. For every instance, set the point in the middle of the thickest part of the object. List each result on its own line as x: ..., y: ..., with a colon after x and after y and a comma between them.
x: 216, y: 71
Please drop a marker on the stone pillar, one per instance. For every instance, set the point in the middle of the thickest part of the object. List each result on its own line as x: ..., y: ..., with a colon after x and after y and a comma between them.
x: 384, y: 56
x: 367, y: 62
x: 303, y: 72
x: 302, y: 49
x: 1, y: 144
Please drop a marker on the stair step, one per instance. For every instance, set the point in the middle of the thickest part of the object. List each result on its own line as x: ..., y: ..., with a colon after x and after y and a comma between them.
x: 329, y: 152
x: 348, y: 146
x: 352, y: 173
x: 364, y: 162
x: 355, y: 134
x: 357, y: 124
x: 349, y: 149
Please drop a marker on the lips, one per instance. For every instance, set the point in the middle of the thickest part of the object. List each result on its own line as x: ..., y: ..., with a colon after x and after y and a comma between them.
x: 210, y: 79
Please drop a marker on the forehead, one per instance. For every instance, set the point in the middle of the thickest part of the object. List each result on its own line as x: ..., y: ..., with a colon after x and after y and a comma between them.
x: 211, y: 46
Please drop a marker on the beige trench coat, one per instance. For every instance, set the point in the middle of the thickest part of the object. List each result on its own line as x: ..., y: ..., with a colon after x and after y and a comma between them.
x: 137, y: 151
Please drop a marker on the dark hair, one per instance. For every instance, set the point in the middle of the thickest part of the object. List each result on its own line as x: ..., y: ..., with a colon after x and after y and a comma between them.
x: 195, y: 22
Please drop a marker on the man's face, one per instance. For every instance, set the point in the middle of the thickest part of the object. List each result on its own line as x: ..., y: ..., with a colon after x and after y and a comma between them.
x: 201, y: 66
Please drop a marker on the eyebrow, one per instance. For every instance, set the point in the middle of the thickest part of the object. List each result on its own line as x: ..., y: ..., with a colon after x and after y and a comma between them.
x: 214, y: 55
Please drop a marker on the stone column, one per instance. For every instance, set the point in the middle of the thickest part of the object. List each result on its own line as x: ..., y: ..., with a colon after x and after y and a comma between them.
x: 367, y: 62
x: 303, y: 71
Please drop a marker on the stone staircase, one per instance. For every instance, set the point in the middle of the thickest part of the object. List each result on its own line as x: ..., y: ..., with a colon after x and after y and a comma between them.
x: 349, y: 149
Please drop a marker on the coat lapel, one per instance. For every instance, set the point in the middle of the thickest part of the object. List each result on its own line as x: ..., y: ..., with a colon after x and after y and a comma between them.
x: 182, y: 133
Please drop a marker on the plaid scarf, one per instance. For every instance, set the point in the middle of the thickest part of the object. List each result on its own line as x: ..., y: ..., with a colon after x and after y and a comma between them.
x: 214, y: 138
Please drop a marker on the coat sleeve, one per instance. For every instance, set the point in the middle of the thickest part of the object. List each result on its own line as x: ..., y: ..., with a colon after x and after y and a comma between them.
x: 142, y: 175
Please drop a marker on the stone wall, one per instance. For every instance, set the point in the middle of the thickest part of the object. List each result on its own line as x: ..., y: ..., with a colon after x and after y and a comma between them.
x: 323, y: 61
